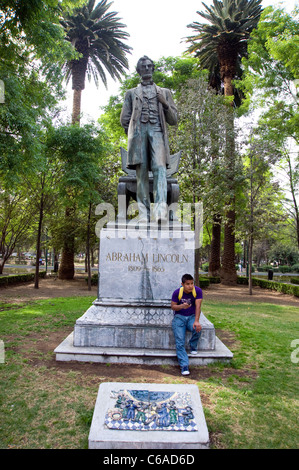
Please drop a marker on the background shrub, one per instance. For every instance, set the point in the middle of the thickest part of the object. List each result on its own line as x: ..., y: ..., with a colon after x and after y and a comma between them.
x: 16, y: 278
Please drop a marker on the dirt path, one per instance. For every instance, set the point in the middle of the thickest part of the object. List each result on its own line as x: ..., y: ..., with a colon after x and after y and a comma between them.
x: 51, y: 288
x: 48, y: 288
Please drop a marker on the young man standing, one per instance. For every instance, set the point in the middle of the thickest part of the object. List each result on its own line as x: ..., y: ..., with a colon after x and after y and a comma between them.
x: 186, y: 304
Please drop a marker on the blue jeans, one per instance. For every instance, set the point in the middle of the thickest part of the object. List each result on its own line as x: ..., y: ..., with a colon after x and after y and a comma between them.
x: 180, y: 324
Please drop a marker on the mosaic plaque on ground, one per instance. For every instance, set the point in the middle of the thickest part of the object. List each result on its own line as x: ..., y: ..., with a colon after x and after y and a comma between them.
x: 145, y: 410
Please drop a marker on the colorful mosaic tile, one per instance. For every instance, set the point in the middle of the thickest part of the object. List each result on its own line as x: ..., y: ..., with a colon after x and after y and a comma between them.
x: 144, y: 410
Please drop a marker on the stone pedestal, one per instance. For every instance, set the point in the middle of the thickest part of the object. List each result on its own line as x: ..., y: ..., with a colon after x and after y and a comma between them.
x: 142, y: 266
x: 130, y: 321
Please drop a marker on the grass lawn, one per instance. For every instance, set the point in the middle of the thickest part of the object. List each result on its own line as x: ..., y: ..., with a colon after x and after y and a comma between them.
x: 251, y: 403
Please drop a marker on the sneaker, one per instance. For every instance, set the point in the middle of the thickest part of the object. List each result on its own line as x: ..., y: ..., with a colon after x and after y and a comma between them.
x: 185, y: 371
x: 194, y: 353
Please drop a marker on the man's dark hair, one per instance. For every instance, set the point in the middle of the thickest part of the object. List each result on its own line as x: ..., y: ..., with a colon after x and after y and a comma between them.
x: 142, y: 59
x: 187, y: 277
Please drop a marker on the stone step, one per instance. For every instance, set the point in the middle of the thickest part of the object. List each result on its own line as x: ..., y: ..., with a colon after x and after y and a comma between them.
x: 66, y: 351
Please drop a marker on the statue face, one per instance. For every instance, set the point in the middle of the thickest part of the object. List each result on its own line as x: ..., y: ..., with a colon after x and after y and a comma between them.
x: 146, y: 69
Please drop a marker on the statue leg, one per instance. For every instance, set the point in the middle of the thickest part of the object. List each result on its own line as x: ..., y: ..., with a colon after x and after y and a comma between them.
x: 142, y: 192
x: 158, y: 166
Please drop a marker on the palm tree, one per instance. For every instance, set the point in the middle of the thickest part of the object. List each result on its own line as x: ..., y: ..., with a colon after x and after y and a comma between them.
x: 221, y: 43
x: 97, y: 36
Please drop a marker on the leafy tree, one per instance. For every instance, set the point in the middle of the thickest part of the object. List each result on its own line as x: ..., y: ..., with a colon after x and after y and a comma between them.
x: 201, y: 135
x: 222, y: 42
x: 271, y: 71
x: 41, y: 182
x: 80, y: 151
x: 32, y: 50
x: 269, y: 83
x: 97, y: 36
x: 284, y: 254
x: 262, y: 212
x: 16, y: 211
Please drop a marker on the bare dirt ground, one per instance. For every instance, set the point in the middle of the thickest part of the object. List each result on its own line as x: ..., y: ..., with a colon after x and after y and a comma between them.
x: 53, y: 287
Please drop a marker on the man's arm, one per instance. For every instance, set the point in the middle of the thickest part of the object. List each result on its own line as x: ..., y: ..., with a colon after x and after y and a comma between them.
x: 196, y: 324
x: 177, y: 307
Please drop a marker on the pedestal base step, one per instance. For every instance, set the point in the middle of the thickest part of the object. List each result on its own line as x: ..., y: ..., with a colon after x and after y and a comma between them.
x: 66, y: 351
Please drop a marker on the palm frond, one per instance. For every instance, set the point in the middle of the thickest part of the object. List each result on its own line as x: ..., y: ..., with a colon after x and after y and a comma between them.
x: 99, y: 36
x: 222, y: 42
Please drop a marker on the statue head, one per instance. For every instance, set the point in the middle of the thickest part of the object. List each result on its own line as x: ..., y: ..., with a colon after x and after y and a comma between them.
x: 145, y: 67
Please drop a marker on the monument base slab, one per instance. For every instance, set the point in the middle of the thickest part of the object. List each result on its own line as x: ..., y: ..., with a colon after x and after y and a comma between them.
x: 66, y: 351
x: 143, y: 326
x: 172, y: 413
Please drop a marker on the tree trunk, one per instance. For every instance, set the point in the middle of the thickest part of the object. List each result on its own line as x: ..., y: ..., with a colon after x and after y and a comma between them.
x: 293, y: 192
x: 250, y: 263
x: 67, y: 267
x: 88, y: 248
x: 214, y: 261
x: 76, y: 107
x: 39, y: 233
x: 228, y: 270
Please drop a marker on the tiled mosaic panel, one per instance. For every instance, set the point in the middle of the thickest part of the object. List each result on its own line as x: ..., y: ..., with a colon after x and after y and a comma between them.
x: 144, y: 410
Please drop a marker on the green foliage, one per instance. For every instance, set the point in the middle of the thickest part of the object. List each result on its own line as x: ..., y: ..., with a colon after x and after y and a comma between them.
x: 265, y: 268
x: 207, y: 167
x: 16, y: 221
x: 97, y: 36
x: 284, y: 269
x: 34, y: 27
x: 284, y: 254
x: 214, y: 279
x: 32, y: 49
x: 204, y: 282
x: 272, y: 285
x: 175, y: 72
x: 263, y: 211
x: 80, y: 150
x: 6, y: 281
x: 94, y: 279
x: 221, y: 41
x: 230, y: 21
x: 270, y: 70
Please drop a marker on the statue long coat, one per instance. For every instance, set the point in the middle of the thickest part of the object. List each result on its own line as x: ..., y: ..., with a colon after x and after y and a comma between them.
x: 130, y: 120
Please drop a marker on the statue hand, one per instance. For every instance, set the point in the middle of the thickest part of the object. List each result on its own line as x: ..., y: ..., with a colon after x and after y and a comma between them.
x: 162, y: 100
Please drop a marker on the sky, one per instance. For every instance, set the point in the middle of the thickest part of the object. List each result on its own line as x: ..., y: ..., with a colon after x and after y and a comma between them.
x: 156, y: 29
